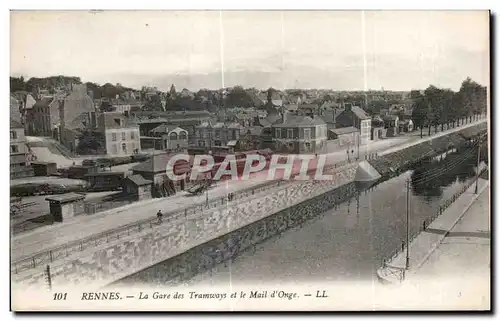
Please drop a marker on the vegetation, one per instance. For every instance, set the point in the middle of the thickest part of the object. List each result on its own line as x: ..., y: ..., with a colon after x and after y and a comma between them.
x: 438, y: 107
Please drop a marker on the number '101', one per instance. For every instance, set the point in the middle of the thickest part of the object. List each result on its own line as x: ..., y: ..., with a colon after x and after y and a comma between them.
x: 60, y: 296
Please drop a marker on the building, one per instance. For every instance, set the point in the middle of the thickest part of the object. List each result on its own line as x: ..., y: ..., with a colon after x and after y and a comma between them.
x: 120, y: 134
x: 216, y: 135
x: 137, y: 187
x: 76, y: 113
x: 344, y: 137
x: 155, y: 169
x: 299, y: 134
x: 166, y: 137
x: 378, y: 129
x: 391, y: 124
x: 406, y: 126
x: 354, y: 116
x: 43, y: 118
x: 18, y: 148
x: 188, y: 120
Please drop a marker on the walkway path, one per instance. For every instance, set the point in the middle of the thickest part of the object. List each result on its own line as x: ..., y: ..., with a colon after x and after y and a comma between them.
x: 424, y: 245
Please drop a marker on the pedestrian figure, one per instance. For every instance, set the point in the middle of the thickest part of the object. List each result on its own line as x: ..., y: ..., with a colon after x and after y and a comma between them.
x: 403, y: 246
x: 160, y: 216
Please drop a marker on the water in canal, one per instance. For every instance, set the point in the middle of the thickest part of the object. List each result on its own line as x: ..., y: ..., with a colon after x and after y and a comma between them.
x: 351, y: 240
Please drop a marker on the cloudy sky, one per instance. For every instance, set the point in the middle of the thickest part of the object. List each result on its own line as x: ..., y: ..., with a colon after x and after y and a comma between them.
x: 343, y: 50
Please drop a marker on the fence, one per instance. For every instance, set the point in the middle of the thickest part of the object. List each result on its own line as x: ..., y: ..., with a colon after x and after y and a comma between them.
x: 49, y: 256
x: 428, y: 221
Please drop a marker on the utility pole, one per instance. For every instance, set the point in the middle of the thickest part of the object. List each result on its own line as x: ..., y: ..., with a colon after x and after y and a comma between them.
x: 407, y: 224
x: 477, y: 168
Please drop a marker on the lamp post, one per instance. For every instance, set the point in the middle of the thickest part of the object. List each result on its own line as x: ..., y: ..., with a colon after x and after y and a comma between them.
x: 407, y: 224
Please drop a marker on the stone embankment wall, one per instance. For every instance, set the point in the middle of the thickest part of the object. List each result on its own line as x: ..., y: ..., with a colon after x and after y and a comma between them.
x: 108, y: 262
x: 399, y: 161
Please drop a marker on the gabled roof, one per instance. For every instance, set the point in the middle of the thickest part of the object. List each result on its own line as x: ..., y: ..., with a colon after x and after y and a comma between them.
x: 360, y: 113
x: 160, y: 163
x: 138, y: 180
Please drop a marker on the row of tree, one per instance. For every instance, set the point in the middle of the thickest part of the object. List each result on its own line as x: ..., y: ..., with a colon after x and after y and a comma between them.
x: 438, y: 107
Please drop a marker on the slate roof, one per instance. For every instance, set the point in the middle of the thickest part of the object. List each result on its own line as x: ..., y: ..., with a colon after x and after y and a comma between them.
x: 298, y: 120
x: 360, y: 113
x: 138, y: 180
x: 109, y: 120
x: 344, y: 130
x: 160, y: 163
x: 163, y: 128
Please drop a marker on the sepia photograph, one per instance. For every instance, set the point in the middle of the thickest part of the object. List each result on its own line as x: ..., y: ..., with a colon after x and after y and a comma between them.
x: 250, y: 160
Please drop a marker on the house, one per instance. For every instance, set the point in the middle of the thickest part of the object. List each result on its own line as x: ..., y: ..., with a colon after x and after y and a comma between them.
x: 43, y: 117
x: 120, y: 134
x: 299, y: 134
x: 155, y: 170
x: 391, y: 123
x: 406, y: 126
x: 166, y: 137
x: 76, y: 113
x: 378, y: 130
x: 18, y: 148
x: 344, y: 137
x: 309, y: 110
x: 218, y: 134
x: 137, y: 187
x: 356, y: 117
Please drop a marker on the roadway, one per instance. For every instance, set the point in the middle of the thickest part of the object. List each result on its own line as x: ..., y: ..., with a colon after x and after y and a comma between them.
x: 79, y: 227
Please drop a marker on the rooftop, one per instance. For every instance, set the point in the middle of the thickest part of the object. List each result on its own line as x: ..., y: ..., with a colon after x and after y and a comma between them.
x: 65, y: 198
x: 138, y: 180
x: 344, y: 130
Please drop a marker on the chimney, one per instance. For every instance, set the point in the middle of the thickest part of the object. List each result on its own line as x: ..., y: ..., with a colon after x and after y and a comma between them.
x: 284, y: 113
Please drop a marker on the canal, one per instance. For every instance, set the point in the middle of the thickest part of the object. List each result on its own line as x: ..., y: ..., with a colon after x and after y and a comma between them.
x: 351, y: 240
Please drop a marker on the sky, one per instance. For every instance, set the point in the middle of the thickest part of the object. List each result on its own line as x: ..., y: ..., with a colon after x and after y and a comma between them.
x: 340, y: 50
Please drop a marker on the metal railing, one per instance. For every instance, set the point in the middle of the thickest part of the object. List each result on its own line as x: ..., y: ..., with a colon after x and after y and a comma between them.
x: 447, y: 203
x: 66, y: 250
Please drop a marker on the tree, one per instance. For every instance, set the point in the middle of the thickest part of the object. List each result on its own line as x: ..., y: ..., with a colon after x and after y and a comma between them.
x: 420, y: 112
x: 375, y: 106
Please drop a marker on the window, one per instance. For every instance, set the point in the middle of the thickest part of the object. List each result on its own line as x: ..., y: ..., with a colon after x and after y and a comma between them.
x: 114, y: 149
x: 173, y: 136
x: 289, y: 133
x: 132, y: 136
x: 13, y: 135
x: 217, y: 133
x: 118, y: 121
x: 124, y: 135
x: 217, y: 143
x: 14, y: 149
x: 183, y: 135
x: 124, y: 147
x: 113, y: 137
x: 278, y: 132
x: 307, y: 133
x: 200, y: 143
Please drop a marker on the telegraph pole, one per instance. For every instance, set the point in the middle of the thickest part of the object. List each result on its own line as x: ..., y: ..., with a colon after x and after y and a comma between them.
x: 407, y: 224
x: 477, y: 168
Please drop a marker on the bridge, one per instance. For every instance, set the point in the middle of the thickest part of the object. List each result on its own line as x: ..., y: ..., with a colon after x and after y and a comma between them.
x: 100, y: 249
